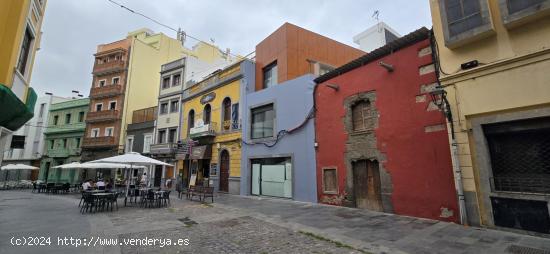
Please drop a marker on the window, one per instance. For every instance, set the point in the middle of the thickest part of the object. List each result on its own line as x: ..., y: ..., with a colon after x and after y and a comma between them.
x: 147, y: 140
x: 64, y: 142
x: 166, y: 83
x: 25, y: 51
x: 361, y: 115
x: 174, y: 106
x: 94, y: 133
x: 262, y: 122
x: 101, y: 83
x: 464, y: 20
x: 463, y: 15
x: 162, y: 136
x: 330, y: 181
x: 164, y: 108
x: 207, y: 113
x: 515, y: 6
x: 172, y: 135
x: 522, y: 11
x: 81, y: 117
x: 112, y: 105
x: 270, y: 75
x: 77, y: 143
x: 55, y: 119
x: 176, y: 80
x: 226, y: 113
x: 42, y: 107
x: 191, y: 119
x: 109, y: 131
x: 98, y: 106
x: 67, y: 118
x: 129, y: 143
x: 115, y: 81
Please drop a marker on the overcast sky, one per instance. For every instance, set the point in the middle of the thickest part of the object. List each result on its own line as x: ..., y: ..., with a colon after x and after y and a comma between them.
x: 73, y: 28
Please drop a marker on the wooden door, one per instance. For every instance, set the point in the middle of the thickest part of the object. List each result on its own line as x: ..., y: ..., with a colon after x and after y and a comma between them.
x: 366, y: 185
x: 224, y: 171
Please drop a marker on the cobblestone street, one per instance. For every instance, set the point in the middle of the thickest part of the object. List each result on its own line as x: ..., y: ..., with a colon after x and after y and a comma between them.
x: 234, y: 224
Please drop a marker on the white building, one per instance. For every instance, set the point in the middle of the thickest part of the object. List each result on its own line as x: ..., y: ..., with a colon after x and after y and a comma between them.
x: 33, y: 135
x: 375, y: 37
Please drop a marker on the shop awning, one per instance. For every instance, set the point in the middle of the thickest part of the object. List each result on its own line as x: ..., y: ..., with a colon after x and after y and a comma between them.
x: 201, y: 152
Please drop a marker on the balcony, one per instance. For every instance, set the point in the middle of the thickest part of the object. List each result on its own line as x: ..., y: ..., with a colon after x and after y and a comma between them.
x: 109, y: 67
x: 106, y: 91
x: 206, y: 130
x: 101, y: 116
x: 166, y: 148
x: 63, y: 152
x: 99, y: 142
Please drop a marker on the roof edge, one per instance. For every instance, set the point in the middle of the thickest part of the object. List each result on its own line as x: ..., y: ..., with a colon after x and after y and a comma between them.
x: 403, y: 42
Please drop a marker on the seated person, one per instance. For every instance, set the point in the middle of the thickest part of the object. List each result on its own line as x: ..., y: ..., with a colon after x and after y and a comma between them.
x: 100, y: 184
x: 86, y: 185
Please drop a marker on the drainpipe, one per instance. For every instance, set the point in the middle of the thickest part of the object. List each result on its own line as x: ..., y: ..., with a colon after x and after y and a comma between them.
x: 457, y: 172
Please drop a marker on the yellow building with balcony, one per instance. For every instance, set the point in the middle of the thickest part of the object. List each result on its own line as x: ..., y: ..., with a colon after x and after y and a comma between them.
x: 20, y: 33
x: 211, y: 128
x: 494, y: 60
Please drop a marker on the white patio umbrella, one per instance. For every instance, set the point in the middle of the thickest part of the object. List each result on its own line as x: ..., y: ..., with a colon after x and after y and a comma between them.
x: 133, y: 159
x: 15, y: 167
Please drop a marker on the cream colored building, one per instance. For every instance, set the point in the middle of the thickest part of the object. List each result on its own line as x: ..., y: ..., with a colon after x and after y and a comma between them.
x: 495, y: 68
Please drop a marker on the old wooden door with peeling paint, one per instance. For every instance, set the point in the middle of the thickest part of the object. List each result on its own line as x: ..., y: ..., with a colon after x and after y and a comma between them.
x: 366, y: 185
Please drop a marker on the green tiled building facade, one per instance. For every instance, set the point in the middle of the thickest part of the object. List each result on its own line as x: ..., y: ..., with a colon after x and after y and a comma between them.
x: 64, y: 135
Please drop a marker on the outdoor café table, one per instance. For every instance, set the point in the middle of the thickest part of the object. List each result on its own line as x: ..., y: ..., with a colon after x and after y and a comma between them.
x: 100, y: 197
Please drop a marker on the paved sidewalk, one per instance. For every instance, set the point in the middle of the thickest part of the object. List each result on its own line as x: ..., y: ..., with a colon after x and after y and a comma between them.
x: 379, y: 232
x: 235, y: 224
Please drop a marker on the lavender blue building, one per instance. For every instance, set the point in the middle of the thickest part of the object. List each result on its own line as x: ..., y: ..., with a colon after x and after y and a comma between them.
x: 278, y: 153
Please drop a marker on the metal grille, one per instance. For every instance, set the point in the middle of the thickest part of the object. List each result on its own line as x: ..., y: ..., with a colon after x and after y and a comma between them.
x: 520, y: 160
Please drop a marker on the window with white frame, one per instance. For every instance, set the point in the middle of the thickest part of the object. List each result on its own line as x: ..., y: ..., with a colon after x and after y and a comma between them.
x: 174, y: 104
x: 112, y: 105
x: 147, y: 141
x: 94, y: 133
x: 129, y: 143
x: 109, y: 131
x: 163, y: 108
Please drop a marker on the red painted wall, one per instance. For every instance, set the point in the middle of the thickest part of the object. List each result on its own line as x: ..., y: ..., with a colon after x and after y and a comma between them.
x: 419, y: 162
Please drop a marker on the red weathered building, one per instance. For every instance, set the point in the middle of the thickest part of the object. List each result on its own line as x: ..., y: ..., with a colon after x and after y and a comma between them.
x: 382, y: 144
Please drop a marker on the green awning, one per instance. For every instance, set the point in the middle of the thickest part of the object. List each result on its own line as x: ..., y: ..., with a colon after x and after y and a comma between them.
x: 13, y: 112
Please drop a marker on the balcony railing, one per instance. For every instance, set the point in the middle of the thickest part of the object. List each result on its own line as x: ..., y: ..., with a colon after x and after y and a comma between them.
x: 204, y: 130
x: 106, y: 91
x: 112, y: 66
x: 144, y: 115
x: 99, y: 142
x: 104, y: 115
x: 166, y: 148
x: 63, y: 152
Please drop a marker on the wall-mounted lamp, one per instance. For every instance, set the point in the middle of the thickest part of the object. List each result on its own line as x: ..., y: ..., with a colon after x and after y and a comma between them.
x: 333, y: 86
x: 386, y: 66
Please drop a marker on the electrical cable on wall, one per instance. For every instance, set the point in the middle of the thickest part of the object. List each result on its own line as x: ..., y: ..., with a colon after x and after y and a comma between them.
x: 283, y: 133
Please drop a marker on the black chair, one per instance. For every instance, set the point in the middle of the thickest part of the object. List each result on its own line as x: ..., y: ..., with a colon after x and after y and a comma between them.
x: 89, y: 203
x: 164, y: 199
x: 150, y: 199
x: 112, y: 200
